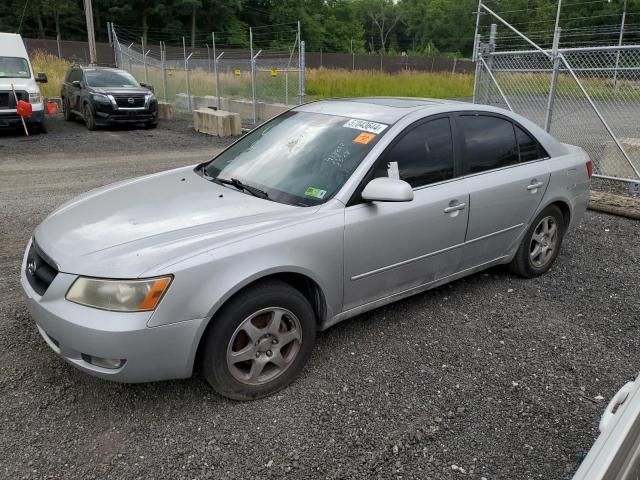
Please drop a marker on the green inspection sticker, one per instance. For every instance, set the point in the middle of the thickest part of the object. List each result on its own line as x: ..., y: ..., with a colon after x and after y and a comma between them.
x: 315, y: 192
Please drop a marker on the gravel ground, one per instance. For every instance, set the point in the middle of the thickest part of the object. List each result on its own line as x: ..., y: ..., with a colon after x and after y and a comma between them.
x: 491, y: 376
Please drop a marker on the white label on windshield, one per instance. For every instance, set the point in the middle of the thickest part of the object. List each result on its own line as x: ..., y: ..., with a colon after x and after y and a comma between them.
x: 366, y: 126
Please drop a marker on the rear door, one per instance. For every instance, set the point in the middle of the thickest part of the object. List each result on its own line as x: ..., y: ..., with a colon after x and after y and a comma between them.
x: 506, y: 178
x: 393, y: 247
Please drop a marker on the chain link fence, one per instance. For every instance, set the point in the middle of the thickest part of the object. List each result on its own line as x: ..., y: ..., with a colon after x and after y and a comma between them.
x: 255, y: 80
x: 584, y: 96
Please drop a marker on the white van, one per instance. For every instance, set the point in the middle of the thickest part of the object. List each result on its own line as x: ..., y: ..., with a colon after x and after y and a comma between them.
x: 15, y: 69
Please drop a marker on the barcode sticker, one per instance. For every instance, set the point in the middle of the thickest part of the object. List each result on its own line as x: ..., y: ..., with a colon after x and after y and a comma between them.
x: 366, y: 126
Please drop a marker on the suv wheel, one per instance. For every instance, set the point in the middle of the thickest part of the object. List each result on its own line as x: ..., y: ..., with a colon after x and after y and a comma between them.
x: 89, y: 119
x: 541, y: 245
x: 259, y: 342
x: 66, y: 110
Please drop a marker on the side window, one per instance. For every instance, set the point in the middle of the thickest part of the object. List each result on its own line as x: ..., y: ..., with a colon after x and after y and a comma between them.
x: 424, y: 154
x: 529, y: 148
x: 490, y: 142
x: 74, y: 75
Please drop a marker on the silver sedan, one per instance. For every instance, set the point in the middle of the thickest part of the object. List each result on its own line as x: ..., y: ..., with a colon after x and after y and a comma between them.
x: 329, y: 210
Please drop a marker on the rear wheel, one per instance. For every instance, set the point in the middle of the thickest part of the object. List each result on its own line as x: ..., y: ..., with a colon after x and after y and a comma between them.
x: 541, y: 245
x: 89, y: 119
x: 259, y: 342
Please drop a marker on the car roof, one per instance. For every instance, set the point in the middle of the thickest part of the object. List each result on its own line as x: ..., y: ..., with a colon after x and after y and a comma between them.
x: 390, y: 110
x: 381, y: 109
x: 11, y: 45
x: 95, y: 67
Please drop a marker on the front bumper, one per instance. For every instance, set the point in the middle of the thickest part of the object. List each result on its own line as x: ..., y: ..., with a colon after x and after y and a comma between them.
x: 71, y: 330
x: 105, y: 114
x: 10, y: 119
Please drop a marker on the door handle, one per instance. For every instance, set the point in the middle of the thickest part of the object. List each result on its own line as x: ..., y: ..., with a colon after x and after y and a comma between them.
x: 535, y: 186
x: 453, y: 208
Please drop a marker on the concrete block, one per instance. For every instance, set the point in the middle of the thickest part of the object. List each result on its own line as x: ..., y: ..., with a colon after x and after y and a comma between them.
x: 614, y: 164
x: 165, y: 111
x: 218, y: 123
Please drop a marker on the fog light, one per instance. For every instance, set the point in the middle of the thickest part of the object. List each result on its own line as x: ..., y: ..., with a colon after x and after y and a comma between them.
x: 111, y: 363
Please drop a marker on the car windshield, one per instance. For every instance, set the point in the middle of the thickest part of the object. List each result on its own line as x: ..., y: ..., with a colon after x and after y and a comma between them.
x: 110, y: 78
x: 298, y: 158
x: 14, y: 67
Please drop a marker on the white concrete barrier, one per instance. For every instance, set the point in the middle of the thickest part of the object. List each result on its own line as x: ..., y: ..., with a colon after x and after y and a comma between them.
x: 218, y: 123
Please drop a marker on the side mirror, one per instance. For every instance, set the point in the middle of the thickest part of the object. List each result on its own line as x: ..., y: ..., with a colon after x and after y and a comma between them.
x: 386, y: 189
x: 76, y: 83
x: 147, y: 86
x: 42, y: 78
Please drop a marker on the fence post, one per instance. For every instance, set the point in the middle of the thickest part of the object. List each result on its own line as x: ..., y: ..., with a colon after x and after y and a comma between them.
x: 477, y: 75
x: 187, y: 68
x: 208, y: 56
x: 144, y: 61
x: 215, y: 65
x: 163, y: 57
x: 215, y: 68
x: 353, y: 58
x: 492, y: 48
x: 554, y: 80
x: 302, y: 67
x: 253, y: 76
x: 454, y: 65
x: 58, y: 43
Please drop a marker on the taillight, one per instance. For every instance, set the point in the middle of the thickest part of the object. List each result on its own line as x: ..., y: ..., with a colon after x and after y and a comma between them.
x: 589, y: 168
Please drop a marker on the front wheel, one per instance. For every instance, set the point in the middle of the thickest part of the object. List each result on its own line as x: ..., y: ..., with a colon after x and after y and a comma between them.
x: 541, y: 245
x: 259, y: 342
x: 66, y: 110
x: 89, y: 119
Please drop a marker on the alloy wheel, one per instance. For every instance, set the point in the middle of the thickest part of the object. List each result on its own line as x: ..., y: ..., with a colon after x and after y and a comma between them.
x: 544, y: 242
x: 264, y: 346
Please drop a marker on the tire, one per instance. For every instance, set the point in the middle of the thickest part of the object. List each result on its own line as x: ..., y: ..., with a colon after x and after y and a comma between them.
x: 541, y: 244
x: 150, y: 125
x: 246, y: 356
x: 89, y: 119
x: 66, y: 110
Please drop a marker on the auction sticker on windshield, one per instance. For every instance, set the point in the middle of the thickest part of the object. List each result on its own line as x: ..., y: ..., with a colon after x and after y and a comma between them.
x: 315, y: 193
x: 366, y: 126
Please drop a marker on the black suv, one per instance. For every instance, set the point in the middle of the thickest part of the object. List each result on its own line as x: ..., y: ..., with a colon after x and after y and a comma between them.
x: 105, y: 96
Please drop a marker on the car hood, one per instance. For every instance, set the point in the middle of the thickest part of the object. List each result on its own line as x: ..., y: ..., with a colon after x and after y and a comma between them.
x: 24, y: 84
x: 120, y: 90
x: 128, y: 228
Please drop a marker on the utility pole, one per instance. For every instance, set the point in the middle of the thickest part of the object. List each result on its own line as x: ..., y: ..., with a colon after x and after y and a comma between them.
x: 91, y: 34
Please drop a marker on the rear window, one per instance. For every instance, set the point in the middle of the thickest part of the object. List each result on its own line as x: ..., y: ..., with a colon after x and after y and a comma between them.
x: 14, y: 67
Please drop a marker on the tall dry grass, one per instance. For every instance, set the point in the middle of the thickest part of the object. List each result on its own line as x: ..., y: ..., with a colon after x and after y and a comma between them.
x: 55, y: 68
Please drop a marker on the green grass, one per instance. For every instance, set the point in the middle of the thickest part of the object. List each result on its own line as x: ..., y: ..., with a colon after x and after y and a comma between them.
x: 324, y: 83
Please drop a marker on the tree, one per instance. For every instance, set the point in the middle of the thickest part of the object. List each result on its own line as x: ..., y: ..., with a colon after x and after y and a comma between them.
x: 385, y: 16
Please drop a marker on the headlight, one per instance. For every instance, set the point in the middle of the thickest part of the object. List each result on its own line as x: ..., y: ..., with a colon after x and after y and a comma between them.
x: 101, y: 98
x: 35, y: 98
x: 119, y: 295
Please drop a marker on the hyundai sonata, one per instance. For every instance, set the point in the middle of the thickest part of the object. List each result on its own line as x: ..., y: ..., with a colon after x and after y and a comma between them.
x: 326, y: 211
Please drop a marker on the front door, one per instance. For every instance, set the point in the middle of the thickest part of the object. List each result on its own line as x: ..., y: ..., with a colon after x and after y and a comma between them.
x: 393, y: 247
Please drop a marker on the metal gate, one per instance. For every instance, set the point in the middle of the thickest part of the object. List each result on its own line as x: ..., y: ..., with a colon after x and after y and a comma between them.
x: 584, y: 96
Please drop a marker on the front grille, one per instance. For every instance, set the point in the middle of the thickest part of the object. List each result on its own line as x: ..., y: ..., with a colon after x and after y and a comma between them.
x: 123, y: 101
x: 40, y: 270
x: 7, y: 100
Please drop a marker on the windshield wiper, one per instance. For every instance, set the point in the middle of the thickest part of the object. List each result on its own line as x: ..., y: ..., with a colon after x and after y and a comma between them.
x: 256, y: 192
